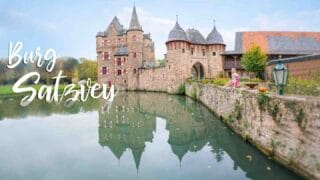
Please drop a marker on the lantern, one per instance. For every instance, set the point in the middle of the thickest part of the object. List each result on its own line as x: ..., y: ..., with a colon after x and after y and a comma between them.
x: 280, y: 76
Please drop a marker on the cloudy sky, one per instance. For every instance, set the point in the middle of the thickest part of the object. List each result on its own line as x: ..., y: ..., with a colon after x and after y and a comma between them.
x: 70, y: 26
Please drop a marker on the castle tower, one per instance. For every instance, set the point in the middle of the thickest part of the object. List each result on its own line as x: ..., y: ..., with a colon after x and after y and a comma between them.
x: 216, y: 47
x: 135, y: 50
x: 177, y: 57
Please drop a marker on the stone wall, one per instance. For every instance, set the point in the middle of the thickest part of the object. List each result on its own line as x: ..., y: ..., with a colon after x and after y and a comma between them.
x: 285, y: 128
x: 153, y: 79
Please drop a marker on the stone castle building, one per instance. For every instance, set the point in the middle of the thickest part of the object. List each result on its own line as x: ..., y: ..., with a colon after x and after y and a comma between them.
x: 126, y: 57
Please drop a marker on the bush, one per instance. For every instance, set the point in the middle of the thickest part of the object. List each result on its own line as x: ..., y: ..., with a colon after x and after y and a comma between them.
x: 299, y: 86
x: 244, y: 79
x: 221, y: 81
x: 205, y: 81
x: 181, y: 89
x: 256, y: 80
x: 303, y: 87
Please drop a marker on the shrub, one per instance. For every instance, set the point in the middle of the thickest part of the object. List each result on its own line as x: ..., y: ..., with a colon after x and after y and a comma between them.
x: 303, y: 87
x: 256, y: 80
x: 181, y: 89
x: 205, y: 81
x: 221, y: 81
x: 244, y: 79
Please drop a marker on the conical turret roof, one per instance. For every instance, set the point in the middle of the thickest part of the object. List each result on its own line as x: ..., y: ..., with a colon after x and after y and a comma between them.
x: 177, y: 33
x: 134, y: 23
x: 215, y: 37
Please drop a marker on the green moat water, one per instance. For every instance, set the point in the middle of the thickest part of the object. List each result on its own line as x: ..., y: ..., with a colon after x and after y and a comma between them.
x: 143, y: 136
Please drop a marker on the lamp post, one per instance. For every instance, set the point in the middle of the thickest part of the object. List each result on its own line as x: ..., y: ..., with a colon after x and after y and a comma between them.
x: 280, y: 76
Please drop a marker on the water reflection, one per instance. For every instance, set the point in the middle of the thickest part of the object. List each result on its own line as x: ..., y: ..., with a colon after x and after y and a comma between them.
x: 192, y: 134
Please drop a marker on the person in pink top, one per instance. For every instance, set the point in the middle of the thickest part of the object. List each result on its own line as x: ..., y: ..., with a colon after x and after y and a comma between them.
x: 235, y: 79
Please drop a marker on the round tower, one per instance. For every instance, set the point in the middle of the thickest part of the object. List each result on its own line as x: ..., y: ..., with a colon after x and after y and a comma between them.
x: 216, y: 47
x: 135, y: 49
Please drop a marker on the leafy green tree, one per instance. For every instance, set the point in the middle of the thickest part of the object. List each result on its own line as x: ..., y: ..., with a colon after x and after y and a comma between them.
x: 254, y: 60
x: 88, y: 69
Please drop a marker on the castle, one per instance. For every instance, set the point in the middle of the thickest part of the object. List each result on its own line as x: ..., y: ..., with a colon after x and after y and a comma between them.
x: 126, y: 57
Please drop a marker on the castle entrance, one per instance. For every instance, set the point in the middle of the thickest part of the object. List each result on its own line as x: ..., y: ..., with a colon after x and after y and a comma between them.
x: 197, y: 71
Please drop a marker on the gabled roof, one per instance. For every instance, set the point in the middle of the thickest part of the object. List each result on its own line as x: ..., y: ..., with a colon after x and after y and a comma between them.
x: 116, y: 24
x: 134, y: 23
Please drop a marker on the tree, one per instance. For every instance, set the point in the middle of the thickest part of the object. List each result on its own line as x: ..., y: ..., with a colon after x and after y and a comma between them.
x: 254, y: 60
x: 88, y: 69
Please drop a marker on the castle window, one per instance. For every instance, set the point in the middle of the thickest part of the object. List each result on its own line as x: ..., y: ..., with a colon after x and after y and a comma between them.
x: 134, y: 55
x: 124, y: 71
x: 134, y: 71
x: 119, y: 61
x: 182, y: 50
x: 119, y: 72
x: 106, y: 42
x: 203, y: 52
x: 104, y: 70
x: 213, y: 53
x: 109, y: 83
x: 124, y: 59
x: 192, y: 51
x: 106, y: 56
x: 125, y: 81
x: 134, y: 38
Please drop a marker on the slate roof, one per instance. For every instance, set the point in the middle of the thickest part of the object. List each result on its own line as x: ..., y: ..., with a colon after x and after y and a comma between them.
x: 214, y: 37
x: 116, y: 24
x: 301, y: 43
x: 134, y: 23
x: 296, y: 59
x: 122, y: 51
x: 194, y: 36
x: 177, y: 33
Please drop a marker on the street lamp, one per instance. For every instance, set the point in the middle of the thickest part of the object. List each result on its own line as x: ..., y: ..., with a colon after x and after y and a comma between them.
x: 280, y: 76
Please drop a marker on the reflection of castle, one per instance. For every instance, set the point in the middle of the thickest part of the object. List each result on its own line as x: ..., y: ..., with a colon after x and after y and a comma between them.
x: 132, y: 121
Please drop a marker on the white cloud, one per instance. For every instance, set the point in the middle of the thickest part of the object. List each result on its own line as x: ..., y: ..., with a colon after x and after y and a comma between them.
x: 20, y: 17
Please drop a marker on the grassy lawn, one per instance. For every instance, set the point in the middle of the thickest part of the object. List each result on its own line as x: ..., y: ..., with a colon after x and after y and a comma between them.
x: 7, y: 89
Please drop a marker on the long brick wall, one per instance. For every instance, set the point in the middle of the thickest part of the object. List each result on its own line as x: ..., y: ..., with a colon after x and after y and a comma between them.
x: 301, y: 67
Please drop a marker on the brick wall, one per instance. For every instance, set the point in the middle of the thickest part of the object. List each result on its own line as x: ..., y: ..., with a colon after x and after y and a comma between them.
x: 300, y: 67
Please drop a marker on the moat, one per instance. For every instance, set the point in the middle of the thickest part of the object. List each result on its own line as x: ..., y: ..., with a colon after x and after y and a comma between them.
x: 142, y: 136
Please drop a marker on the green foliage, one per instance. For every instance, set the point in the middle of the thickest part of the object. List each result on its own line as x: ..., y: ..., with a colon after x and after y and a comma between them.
x: 193, y: 92
x: 274, y: 111
x: 230, y: 120
x: 221, y: 81
x: 303, y: 86
x: 244, y: 79
x: 181, y: 89
x: 263, y: 100
x: 299, y: 117
x: 309, y: 87
x: 161, y: 62
x: 254, y: 60
x: 257, y: 80
x: 88, y: 69
x: 205, y: 81
x: 237, y: 110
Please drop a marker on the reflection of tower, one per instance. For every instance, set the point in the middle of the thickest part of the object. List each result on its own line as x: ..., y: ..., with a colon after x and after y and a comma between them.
x: 126, y: 127
x: 186, y: 134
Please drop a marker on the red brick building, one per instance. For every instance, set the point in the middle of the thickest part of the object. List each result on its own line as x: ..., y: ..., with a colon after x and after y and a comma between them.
x: 301, y: 67
x: 275, y: 44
